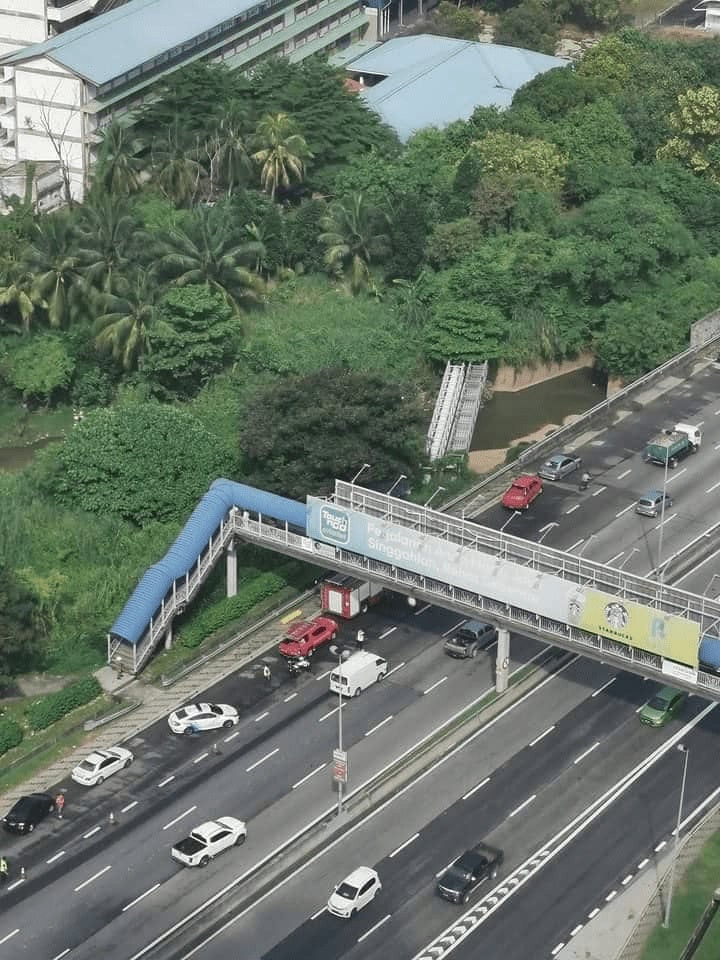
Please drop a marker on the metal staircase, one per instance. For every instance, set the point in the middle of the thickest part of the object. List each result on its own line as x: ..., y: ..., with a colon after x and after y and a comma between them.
x: 446, y: 406
x: 469, y: 406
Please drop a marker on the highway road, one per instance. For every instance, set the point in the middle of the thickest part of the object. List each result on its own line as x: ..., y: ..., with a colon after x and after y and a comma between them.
x: 98, y: 890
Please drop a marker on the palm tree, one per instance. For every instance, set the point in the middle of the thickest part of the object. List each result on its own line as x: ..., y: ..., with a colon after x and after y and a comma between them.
x: 229, y: 160
x: 105, y: 232
x: 19, y: 292
x: 352, y: 233
x: 119, y: 165
x: 281, y: 154
x: 176, y: 169
x: 53, y: 260
x: 131, y: 316
x: 207, y: 253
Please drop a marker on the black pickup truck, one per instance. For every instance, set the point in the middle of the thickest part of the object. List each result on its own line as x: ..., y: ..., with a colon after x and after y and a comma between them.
x: 468, y: 871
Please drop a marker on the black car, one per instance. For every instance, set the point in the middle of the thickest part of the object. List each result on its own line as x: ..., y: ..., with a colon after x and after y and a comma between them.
x: 475, y: 865
x: 28, y: 812
x: 470, y: 639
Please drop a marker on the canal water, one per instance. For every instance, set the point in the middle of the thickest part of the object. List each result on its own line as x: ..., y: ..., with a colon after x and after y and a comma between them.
x: 509, y: 416
x: 15, y: 458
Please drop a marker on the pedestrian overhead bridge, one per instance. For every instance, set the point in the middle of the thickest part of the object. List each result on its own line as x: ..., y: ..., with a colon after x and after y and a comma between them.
x: 636, y: 623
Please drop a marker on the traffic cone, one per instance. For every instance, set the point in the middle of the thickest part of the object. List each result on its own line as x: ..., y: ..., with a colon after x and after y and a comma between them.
x: 111, y: 819
x: 215, y: 749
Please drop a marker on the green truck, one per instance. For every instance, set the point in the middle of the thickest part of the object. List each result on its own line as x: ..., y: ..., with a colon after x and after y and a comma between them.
x: 671, y: 446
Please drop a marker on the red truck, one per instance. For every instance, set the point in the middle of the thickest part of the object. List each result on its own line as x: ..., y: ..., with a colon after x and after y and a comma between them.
x: 303, y: 638
x: 347, y: 597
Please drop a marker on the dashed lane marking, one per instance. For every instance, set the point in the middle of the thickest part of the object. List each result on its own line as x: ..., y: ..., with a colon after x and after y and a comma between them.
x: 378, y: 725
x: 167, y: 780
x: 91, y: 833
x: 141, y: 897
x: 308, y: 775
x: 180, y: 817
x: 56, y: 857
x: 402, y: 846
x: 629, y: 507
x: 524, y: 804
x: 387, y: 633
x: 262, y: 760
x: 93, y: 878
x: 621, y: 476
x: 433, y: 686
x: 542, y: 736
x: 129, y: 806
x: 373, y: 929
x: 476, y: 788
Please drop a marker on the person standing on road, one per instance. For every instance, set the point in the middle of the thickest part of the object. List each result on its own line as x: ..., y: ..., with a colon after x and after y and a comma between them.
x: 60, y: 805
x: 4, y: 870
x: 267, y: 674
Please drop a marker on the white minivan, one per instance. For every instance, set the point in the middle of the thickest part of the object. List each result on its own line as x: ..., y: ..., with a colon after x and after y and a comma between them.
x: 359, y: 671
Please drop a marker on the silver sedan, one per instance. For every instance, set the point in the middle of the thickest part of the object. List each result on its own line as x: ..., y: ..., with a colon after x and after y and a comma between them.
x: 559, y: 466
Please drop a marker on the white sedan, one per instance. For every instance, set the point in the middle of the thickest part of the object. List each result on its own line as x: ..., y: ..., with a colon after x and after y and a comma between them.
x: 208, y: 840
x: 203, y: 716
x: 101, y: 764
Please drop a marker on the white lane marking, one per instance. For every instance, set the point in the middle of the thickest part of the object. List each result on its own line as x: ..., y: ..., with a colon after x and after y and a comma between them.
x: 629, y: 507
x: 180, y: 817
x: 16, y: 884
x: 593, y: 913
x: 621, y: 476
x: 700, y: 423
x: 262, y: 716
x: 433, y: 685
x: 524, y: 804
x: 141, y: 897
x: 262, y: 760
x: 395, y: 669
x: 166, y: 781
x: 387, y: 633
x: 556, y: 950
x: 403, y: 845
x: 56, y: 857
x: 308, y: 775
x: 143, y: 952
x: 596, y: 493
x: 603, y: 687
x: 329, y: 714
x: 326, y: 674
x: 453, y: 629
x: 378, y: 725
x: 659, y: 847
x: 576, y: 544
x: 201, y: 757
x: 446, y: 867
x: 546, y: 527
x: 611, y: 896
x: 65, y: 952
x: 641, y: 707
x: 93, y: 878
x: 695, y: 569
x: 476, y: 788
x: 291, y: 697
x: 544, y: 734
x: 700, y: 807
x: 626, y: 880
x: 643, y: 863
x: 233, y: 735
x: 713, y: 487
x: 666, y: 521
x: 318, y: 913
x: 616, y: 557
x: 572, y: 509
x: 373, y: 929
x: 10, y: 935
x: 129, y: 806
x: 676, y: 474
x: 576, y: 931
x: 587, y: 753
x: 422, y: 609
x: 91, y: 833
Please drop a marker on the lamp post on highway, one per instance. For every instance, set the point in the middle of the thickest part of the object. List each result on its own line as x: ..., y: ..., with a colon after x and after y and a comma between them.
x: 686, y: 753
x: 363, y: 468
x: 339, y: 755
x: 660, y: 568
x: 587, y: 544
x: 428, y: 502
x: 399, y: 480
x: 548, y: 530
x: 515, y: 513
x: 629, y: 557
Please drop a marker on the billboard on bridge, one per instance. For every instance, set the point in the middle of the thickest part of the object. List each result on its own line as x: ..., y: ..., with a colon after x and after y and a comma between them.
x: 601, y: 613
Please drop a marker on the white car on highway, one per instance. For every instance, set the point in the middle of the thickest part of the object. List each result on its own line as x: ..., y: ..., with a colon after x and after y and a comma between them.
x: 208, y: 840
x: 101, y: 764
x: 355, y: 892
x: 203, y: 716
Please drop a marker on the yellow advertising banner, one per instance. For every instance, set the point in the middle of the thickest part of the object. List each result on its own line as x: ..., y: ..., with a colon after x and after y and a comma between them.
x: 636, y: 625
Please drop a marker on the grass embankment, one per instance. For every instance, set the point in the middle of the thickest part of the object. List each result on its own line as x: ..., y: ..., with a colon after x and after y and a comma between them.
x: 19, y: 426
x: 690, y: 899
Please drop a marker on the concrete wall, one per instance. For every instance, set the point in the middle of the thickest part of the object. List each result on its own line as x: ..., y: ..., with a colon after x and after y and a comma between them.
x: 510, y: 379
x: 701, y: 330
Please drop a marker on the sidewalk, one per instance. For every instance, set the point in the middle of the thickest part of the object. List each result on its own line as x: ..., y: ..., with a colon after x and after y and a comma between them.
x: 156, y: 702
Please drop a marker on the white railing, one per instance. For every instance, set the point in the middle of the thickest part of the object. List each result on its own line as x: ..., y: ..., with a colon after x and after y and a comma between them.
x: 468, y: 407
x: 446, y: 405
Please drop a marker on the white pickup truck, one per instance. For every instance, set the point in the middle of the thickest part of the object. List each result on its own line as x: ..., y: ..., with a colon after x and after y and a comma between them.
x: 208, y: 840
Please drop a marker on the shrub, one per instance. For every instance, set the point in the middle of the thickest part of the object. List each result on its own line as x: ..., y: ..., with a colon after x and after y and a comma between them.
x: 10, y: 735
x: 54, y: 706
x: 230, y: 608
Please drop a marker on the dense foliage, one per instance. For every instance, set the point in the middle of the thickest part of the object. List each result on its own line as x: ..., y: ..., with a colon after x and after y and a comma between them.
x: 22, y: 626
x: 51, y: 708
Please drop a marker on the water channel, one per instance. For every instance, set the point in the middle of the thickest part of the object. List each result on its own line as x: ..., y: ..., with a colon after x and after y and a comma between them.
x: 15, y: 458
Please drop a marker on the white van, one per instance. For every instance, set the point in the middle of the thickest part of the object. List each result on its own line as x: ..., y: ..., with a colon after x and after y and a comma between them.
x: 359, y: 671
x: 694, y: 434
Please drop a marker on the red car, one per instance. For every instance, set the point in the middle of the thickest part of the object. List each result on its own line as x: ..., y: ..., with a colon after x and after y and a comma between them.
x: 521, y: 492
x: 302, y: 639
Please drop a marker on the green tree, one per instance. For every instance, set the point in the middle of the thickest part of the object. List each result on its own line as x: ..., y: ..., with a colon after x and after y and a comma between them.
x: 508, y: 155
x: 230, y: 163
x: 130, y: 318
x: 197, y: 339
x: 281, y: 152
x: 119, y: 163
x: 354, y: 234
x: 303, y: 228
x: 52, y: 257
x: 450, y: 242
x: 22, y: 627
x: 21, y: 296
x: 408, y: 230
x: 452, y: 20
x: 105, y: 234
x: 697, y: 141
x: 39, y: 367
x: 300, y: 433
x: 206, y: 252
x: 532, y: 25
x: 176, y: 169
x: 142, y: 462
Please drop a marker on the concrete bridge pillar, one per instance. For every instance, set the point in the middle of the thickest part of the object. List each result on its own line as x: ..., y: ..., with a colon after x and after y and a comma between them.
x: 169, y: 637
x: 231, y: 569
x: 502, y: 668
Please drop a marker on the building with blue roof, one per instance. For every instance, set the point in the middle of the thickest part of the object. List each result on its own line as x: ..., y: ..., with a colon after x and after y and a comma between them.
x: 56, y: 95
x: 429, y: 81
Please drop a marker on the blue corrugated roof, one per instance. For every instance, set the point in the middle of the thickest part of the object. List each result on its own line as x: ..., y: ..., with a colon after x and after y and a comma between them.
x: 116, y: 42
x: 431, y: 81
x: 182, y: 555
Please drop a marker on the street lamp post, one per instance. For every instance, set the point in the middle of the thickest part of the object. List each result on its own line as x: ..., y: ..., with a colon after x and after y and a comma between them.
x: 686, y: 753
x: 428, y: 502
x: 661, y: 571
x: 587, y: 544
x: 548, y: 530
x: 629, y: 557
x: 363, y: 468
x: 515, y: 513
x: 399, y: 479
x: 340, y: 782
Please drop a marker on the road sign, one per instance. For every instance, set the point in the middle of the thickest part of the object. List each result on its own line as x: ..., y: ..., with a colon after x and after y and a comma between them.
x: 340, y: 766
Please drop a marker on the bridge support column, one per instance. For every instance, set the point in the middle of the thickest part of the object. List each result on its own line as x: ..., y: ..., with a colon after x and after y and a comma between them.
x: 502, y: 664
x: 231, y: 570
x: 169, y: 637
